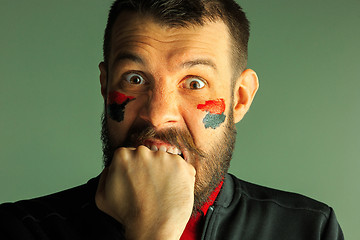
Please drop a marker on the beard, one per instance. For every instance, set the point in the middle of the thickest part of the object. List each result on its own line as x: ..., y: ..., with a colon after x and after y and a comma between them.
x: 211, y: 165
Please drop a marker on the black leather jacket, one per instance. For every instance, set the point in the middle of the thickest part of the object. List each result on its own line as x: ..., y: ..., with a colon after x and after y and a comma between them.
x: 247, y: 211
x: 242, y: 211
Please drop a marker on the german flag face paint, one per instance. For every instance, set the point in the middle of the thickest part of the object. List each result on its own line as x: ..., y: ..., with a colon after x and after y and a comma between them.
x: 215, y: 112
x: 116, y: 103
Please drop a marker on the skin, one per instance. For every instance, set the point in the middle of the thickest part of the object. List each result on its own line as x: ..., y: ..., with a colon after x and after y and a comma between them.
x: 151, y: 192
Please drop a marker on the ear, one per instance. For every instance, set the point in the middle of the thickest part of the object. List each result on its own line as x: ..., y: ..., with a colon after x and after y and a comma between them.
x: 103, y: 79
x: 244, y: 92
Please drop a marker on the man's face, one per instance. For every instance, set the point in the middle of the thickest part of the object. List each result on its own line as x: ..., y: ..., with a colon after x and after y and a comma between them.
x: 170, y: 89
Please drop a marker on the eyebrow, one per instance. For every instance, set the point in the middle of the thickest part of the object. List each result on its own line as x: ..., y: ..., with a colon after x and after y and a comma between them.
x: 200, y: 61
x: 123, y: 56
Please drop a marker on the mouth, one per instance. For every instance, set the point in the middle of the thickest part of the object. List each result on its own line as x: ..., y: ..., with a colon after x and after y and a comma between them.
x: 156, y: 145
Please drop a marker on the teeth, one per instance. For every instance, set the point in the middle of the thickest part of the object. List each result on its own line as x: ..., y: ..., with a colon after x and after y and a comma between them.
x: 162, y: 148
x: 172, y: 150
x: 177, y: 151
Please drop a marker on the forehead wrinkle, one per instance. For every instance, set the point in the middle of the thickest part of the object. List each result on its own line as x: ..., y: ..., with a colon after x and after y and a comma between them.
x: 167, y: 36
x: 178, y: 47
x: 142, y: 26
x: 135, y: 33
x: 129, y: 49
x: 183, y: 58
x: 138, y: 40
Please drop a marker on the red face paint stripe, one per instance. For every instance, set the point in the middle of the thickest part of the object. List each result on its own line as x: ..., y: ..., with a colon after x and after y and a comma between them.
x: 213, y: 106
x: 117, y: 97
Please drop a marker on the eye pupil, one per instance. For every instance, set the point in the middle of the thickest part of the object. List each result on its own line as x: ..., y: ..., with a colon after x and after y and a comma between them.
x: 135, y: 80
x: 194, y: 85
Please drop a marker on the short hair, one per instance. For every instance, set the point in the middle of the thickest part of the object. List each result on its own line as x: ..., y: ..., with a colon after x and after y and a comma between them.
x: 181, y: 13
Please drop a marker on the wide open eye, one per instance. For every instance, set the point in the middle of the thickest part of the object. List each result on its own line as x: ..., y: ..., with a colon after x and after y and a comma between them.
x: 194, y: 83
x: 134, y: 78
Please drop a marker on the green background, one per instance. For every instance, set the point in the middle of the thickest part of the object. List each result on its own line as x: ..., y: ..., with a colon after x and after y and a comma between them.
x: 301, y: 134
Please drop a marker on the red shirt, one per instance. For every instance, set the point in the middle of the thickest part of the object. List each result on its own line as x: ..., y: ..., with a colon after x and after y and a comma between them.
x: 194, y: 227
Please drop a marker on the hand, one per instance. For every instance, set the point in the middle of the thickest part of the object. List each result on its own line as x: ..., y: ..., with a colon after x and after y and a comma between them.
x: 150, y: 193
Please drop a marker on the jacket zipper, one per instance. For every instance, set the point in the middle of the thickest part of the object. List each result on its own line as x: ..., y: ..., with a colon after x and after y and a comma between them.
x: 206, y: 225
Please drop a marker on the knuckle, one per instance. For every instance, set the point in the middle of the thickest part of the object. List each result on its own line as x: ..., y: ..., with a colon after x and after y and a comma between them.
x: 142, y: 148
x: 119, y: 151
x: 120, y: 159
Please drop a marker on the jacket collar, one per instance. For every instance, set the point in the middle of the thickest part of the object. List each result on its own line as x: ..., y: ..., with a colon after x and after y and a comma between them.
x: 226, y: 194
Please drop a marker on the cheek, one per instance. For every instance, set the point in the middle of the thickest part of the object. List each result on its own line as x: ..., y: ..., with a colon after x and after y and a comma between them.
x: 214, y: 113
x: 116, y: 103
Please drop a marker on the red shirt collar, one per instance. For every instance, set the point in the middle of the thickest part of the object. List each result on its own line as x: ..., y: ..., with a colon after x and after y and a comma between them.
x: 195, y: 225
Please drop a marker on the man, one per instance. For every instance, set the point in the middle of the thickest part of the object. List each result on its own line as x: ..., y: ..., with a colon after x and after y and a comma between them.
x: 174, y: 83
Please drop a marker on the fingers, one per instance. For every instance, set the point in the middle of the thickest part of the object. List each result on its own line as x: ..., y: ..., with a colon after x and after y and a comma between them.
x: 140, y: 184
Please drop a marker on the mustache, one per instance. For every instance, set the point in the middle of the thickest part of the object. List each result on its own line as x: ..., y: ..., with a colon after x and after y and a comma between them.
x: 180, y: 138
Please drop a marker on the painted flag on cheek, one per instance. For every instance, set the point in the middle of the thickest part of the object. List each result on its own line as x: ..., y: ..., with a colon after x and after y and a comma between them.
x: 116, y: 103
x: 215, y: 112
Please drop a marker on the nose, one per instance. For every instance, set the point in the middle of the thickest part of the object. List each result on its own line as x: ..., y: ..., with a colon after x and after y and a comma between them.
x: 161, y: 108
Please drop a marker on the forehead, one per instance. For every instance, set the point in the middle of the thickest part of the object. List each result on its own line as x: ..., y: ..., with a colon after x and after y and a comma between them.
x: 141, y: 34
